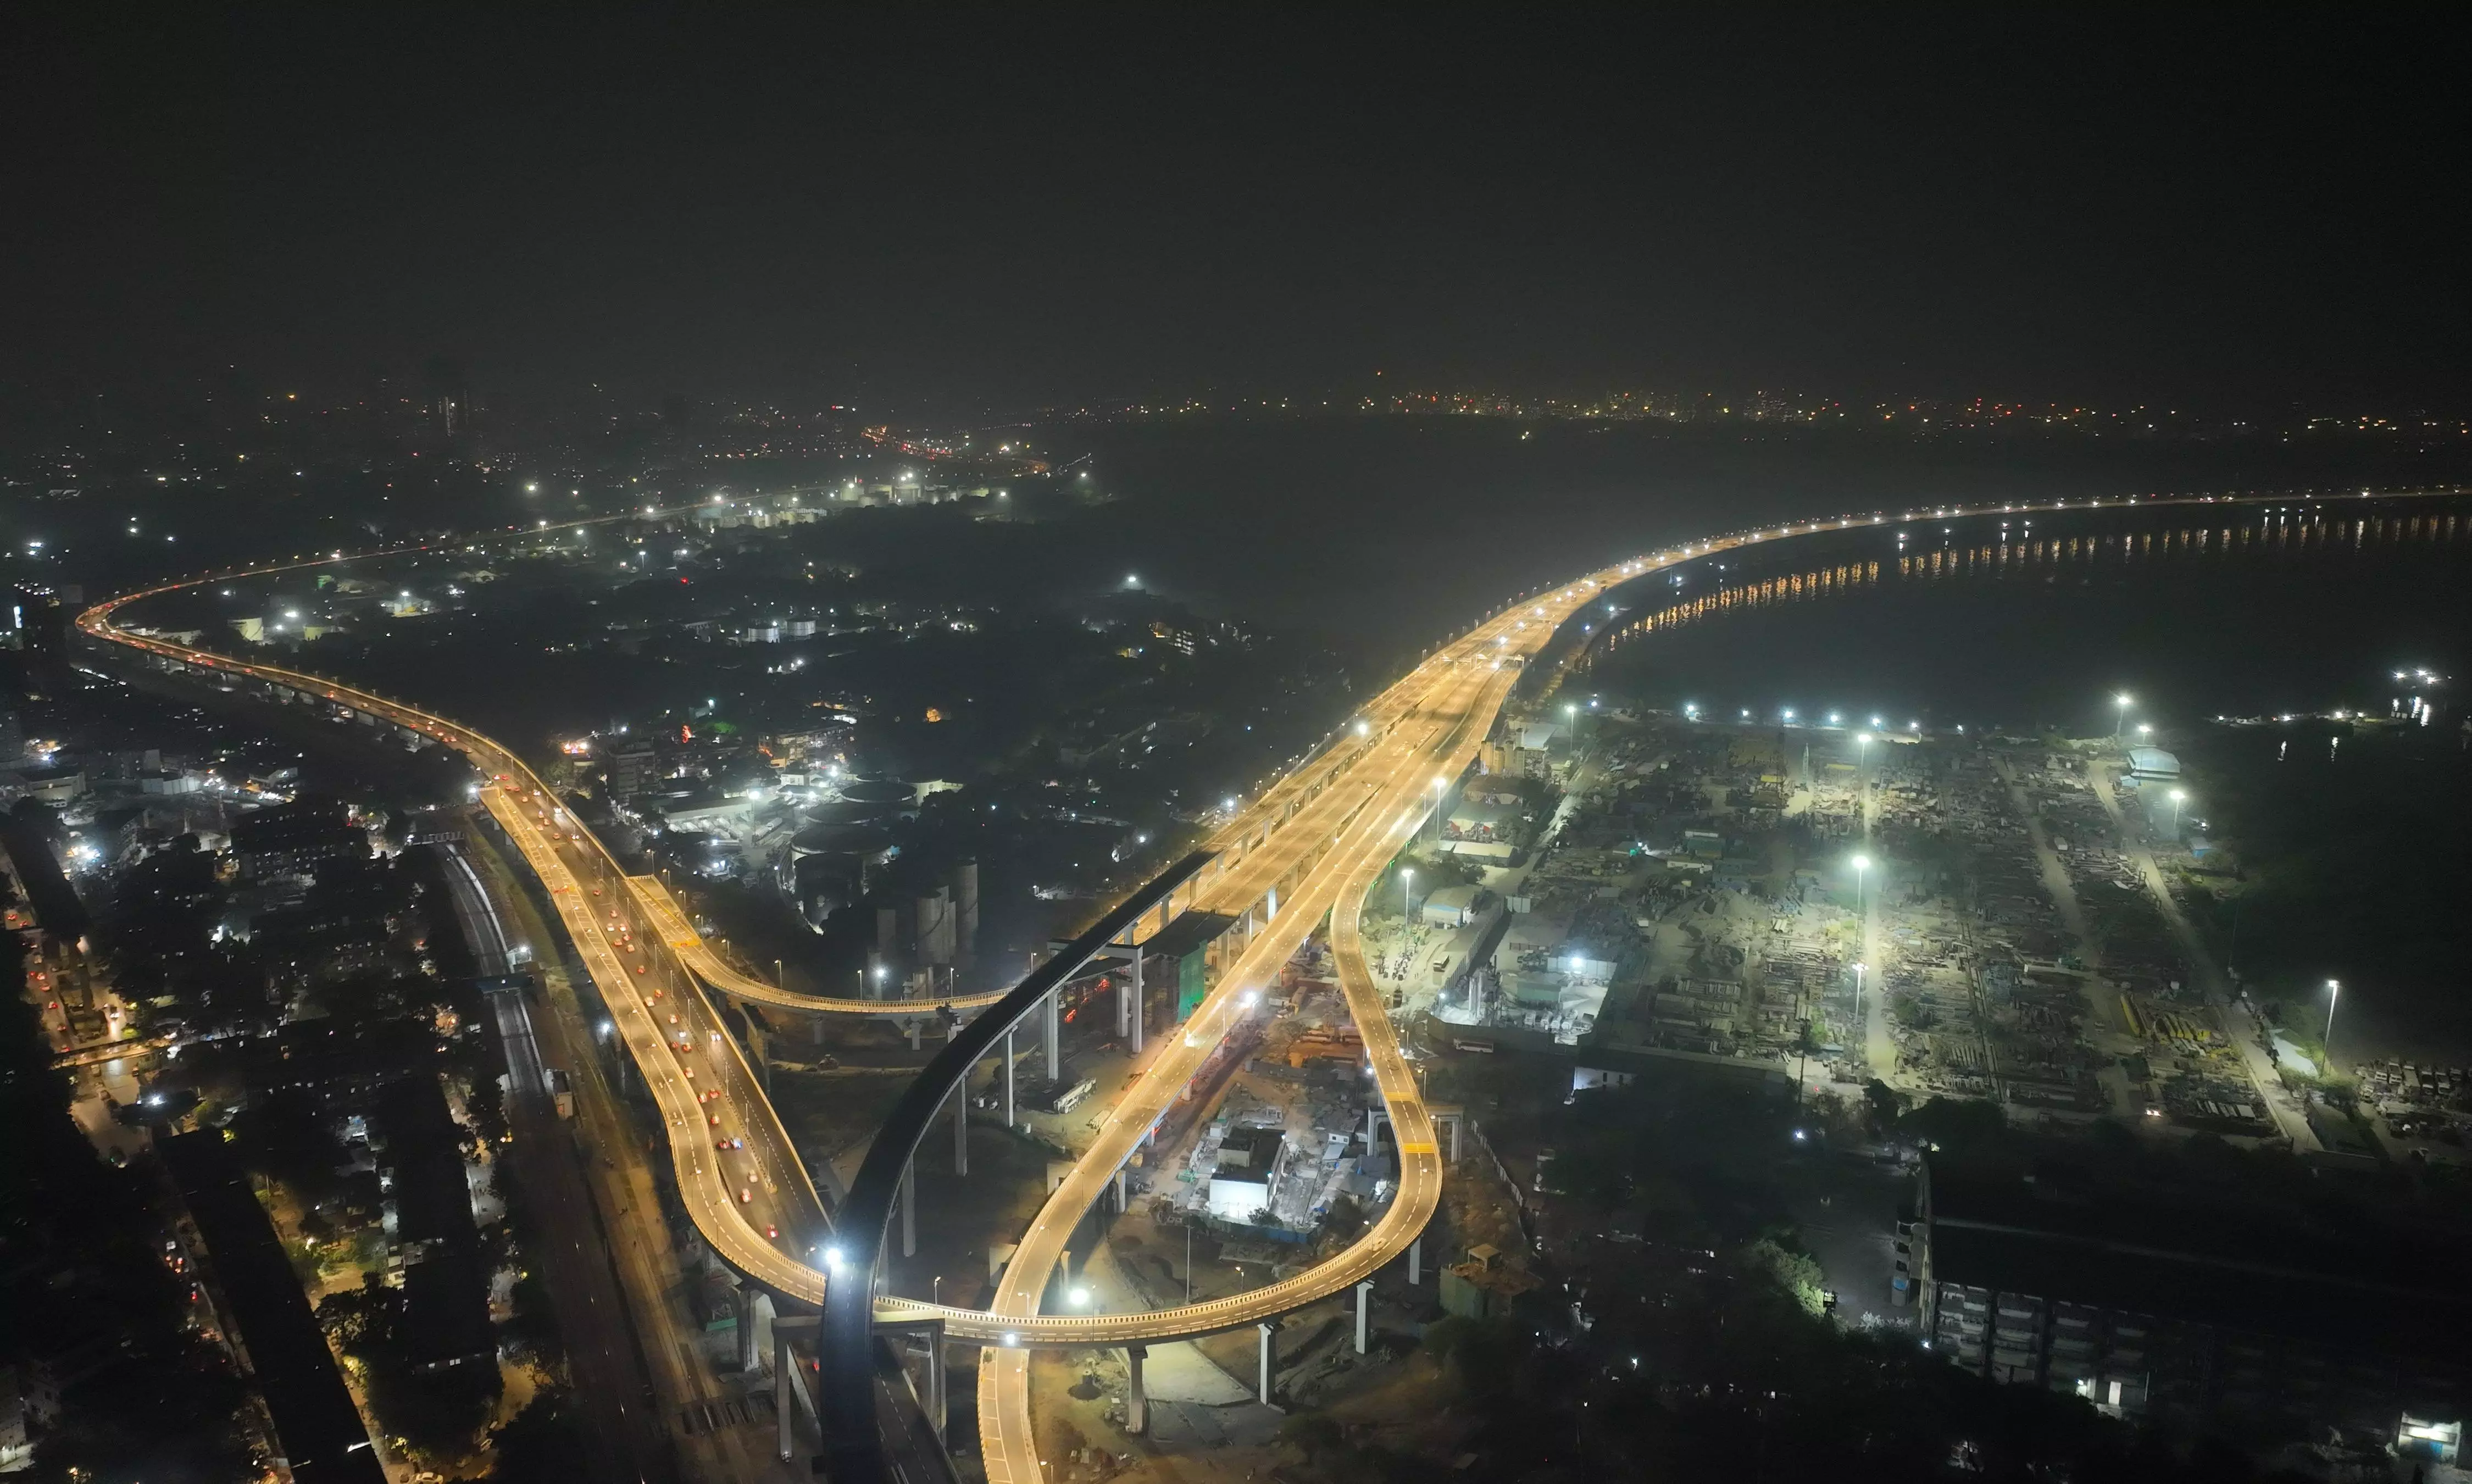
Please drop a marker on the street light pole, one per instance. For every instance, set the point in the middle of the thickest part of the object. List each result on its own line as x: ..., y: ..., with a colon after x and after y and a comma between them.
x: 2334, y: 992
x: 2119, y: 722
x: 2178, y: 797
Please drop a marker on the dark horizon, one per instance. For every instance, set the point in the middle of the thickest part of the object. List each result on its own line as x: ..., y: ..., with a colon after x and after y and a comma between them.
x: 949, y: 213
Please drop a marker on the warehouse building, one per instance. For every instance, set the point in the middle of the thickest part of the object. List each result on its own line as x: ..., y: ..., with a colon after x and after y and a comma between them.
x: 2185, y: 1298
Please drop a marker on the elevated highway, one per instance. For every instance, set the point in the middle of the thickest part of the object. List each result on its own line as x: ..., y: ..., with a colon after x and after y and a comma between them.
x: 1306, y: 849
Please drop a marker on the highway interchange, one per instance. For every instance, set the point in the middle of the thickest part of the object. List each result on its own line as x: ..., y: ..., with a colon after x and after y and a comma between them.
x: 1305, y: 851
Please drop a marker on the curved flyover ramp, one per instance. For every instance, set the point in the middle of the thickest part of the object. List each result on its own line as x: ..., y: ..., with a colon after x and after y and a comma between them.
x: 1321, y: 830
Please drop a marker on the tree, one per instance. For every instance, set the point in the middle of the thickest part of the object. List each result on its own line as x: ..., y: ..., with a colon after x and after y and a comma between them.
x: 538, y: 1445
x: 1955, y: 1124
x: 1881, y: 1101
x: 1478, y: 1354
x: 1794, y: 1272
x: 1345, y: 1220
x: 1313, y: 1434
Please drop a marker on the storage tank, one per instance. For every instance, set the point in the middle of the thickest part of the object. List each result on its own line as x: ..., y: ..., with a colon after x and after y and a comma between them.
x: 865, y: 841
x: 826, y: 884
x: 848, y: 812
x: 891, y: 792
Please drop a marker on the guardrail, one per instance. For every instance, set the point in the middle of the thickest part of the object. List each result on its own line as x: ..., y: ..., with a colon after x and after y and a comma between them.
x: 1278, y: 805
x: 844, y: 1347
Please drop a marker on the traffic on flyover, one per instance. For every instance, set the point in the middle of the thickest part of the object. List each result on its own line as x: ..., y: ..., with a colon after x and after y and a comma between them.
x: 1322, y: 832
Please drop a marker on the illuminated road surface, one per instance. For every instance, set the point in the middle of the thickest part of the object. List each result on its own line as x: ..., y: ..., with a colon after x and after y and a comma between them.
x: 1322, y: 832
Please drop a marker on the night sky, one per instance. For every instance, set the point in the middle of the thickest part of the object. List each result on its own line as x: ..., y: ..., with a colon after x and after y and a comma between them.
x: 995, y: 208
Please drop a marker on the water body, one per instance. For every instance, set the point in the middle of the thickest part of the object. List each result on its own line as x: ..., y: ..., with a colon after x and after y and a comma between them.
x: 2033, y: 622
x: 1396, y: 532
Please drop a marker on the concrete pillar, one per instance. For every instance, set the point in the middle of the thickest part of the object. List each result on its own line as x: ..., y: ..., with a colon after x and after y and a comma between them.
x: 962, y: 1128
x: 1121, y: 1208
x: 1417, y: 1260
x: 1137, y: 1401
x: 937, y: 1403
x: 1009, y: 1121
x: 909, y: 1214
x: 743, y: 1310
x: 784, y: 1368
x: 1137, y: 1003
x: 819, y: 1024
x: 912, y: 1027
x: 1372, y: 1132
x: 1052, y: 1024
x: 1364, y: 1314
x: 1124, y: 1009
x: 1271, y: 904
x: 1454, y: 1139
x: 1270, y: 1329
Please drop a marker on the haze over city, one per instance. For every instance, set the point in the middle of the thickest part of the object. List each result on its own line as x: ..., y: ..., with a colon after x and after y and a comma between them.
x: 1001, y: 747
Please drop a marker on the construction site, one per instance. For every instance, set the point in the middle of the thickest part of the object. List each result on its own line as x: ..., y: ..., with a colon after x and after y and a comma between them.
x: 1956, y: 915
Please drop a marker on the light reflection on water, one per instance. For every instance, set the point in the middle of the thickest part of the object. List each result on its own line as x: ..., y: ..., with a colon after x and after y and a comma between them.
x: 2011, y: 621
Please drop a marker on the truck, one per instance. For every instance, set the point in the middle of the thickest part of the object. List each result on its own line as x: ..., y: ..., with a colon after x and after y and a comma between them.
x: 561, y: 1092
